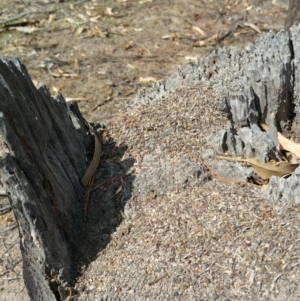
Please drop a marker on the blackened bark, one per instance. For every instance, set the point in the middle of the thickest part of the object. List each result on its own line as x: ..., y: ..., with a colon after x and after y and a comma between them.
x: 43, y: 159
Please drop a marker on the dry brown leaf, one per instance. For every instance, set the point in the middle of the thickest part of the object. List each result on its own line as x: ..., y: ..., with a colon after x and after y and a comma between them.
x: 130, y: 92
x: 286, y: 144
x: 254, y: 27
x: 266, y: 170
x: 191, y: 58
x: 80, y: 30
x: 291, y: 157
x: 130, y: 66
x: 129, y: 45
x: 138, y: 29
x: 72, y: 21
x: 169, y: 36
x: 25, y: 29
x: 70, y: 75
x: 95, y: 18
x: 94, y: 163
x: 109, y: 11
x: 61, y: 73
x: 51, y: 18
x: 199, y: 30
x: 82, y: 17
x: 147, y: 79
x: 89, y: 12
x: 209, y: 41
x: 11, y: 49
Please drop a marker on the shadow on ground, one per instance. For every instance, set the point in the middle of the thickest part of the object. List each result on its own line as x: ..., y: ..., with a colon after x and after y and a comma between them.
x: 111, y: 191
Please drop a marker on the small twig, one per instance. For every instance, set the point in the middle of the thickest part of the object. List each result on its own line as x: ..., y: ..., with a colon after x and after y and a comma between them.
x: 207, y: 167
x: 101, y: 184
x: 5, y: 209
x: 7, y: 249
x: 274, y: 281
x: 212, y: 173
x: 118, y: 191
x: 25, y: 14
x: 88, y: 194
x: 10, y: 228
x: 79, y: 2
x: 231, y: 31
x: 221, y: 255
x: 295, y: 264
x: 137, y: 44
x: 15, y: 18
x: 102, y: 103
x: 4, y: 273
x: 15, y: 278
x: 14, y: 265
x: 157, y: 279
x: 92, y: 168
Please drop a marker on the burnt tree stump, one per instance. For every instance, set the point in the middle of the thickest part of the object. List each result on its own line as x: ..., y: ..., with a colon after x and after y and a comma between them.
x: 44, y: 147
x: 46, y: 144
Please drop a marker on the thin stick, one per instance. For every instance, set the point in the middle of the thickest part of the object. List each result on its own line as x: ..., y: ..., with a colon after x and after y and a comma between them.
x: 157, y: 279
x: 212, y: 173
x: 221, y: 255
x: 25, y: 14
x: 88, y: 194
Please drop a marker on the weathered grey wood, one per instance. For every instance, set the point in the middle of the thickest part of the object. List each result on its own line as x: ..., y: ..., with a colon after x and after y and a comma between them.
x: 293, y: 15
x: 259, y: 84
x: 255, y: 83
x: 43, y: 159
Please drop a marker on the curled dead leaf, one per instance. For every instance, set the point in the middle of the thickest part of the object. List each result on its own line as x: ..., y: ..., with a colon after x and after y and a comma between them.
x: 290, y: 157
x: 266, y: 170
x: 286, y: 144
x: 94, y: 163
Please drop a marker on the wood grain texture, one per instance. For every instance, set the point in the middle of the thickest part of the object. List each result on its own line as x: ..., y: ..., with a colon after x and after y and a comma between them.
x: 44, y: 159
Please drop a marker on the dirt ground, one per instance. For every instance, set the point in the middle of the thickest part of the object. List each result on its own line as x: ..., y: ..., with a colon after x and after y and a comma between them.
x: 101, y: 52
